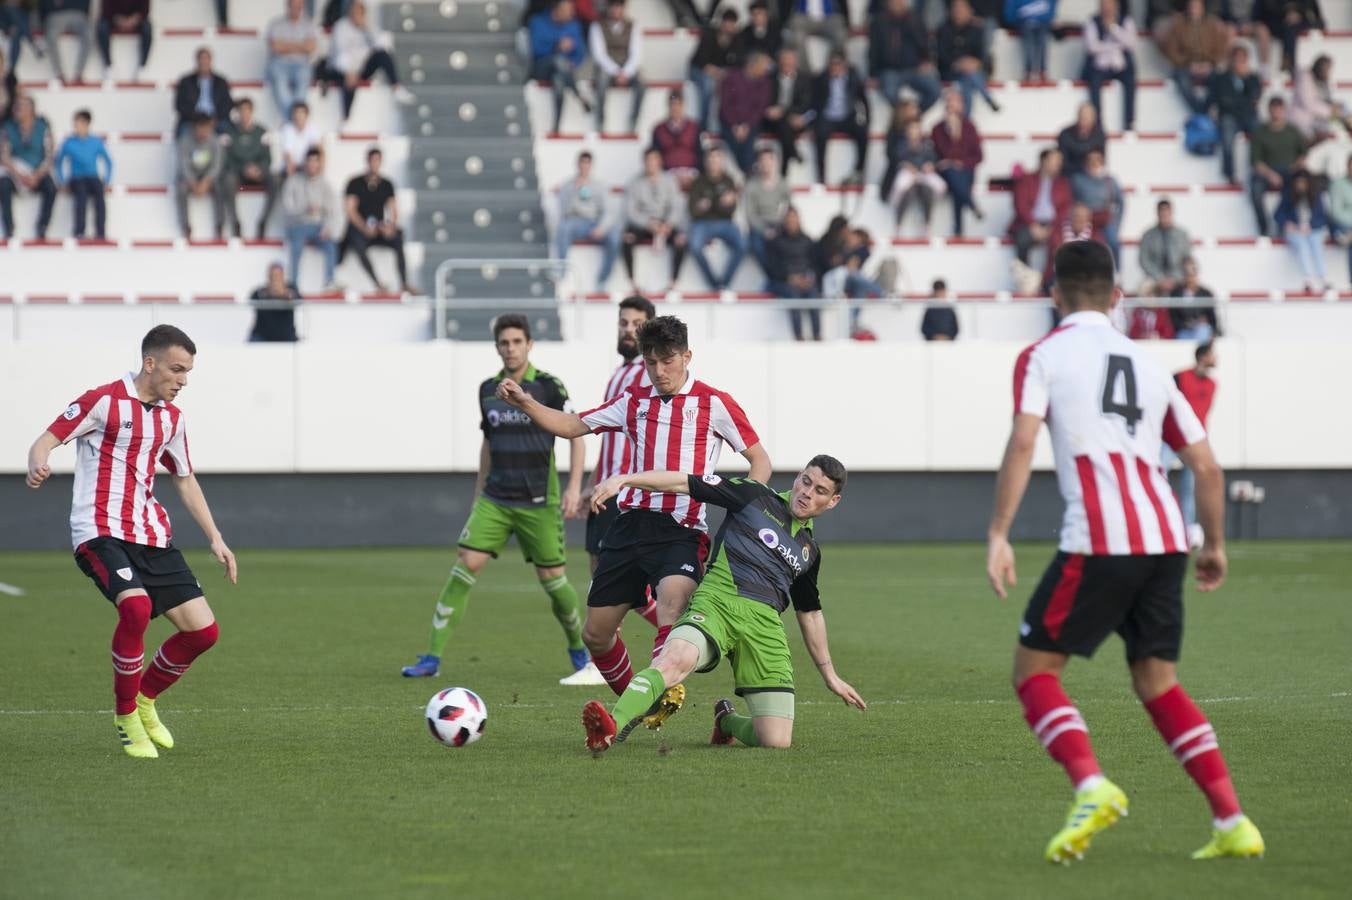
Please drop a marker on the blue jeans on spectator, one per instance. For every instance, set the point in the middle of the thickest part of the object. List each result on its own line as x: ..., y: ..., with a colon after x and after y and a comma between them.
x: 289, y: 82
x: 758, y: 244
x: 83, y: 190
x: 1033, y: 36
x: 1258, y: 186
x: 1230, y: 126
x: 706, y: 89
x: 1187, y: 89
x: 1198, y: 334
x: 743, y: 152
x: 1308, y: 248
x: 959, y: 183
x: 925, y: 86
x: 814, y: 316
x: 297, y: 236
x: 105, y: 34
x: 1127, y: 76
x: 858, y: 287
x: 702, y: 231
x: 971, y: 83
x: 573, y: 229
x: 14, y: 22
x: 562, y: 76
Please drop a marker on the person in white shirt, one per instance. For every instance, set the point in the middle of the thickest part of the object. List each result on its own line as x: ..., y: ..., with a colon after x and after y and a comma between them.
x: 356, y: 53
x: 1109, y: 42
x: 297, y: 136
x: 616, y: 47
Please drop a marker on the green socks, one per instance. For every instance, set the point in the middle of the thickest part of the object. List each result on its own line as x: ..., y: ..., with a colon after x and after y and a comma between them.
x: 563, y: 599
x: 741, y: 727
x: 450, y: 608
x: 642, y: 694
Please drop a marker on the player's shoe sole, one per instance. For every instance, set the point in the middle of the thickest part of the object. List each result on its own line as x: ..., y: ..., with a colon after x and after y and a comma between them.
x: 600, y: 726
x: 588, y: 676
x: 150, y: 719
x: 670, y: 703
x: 719, y: 737
x: 1092, y: 812
x: 132, y: 734
x: 1243, y: 841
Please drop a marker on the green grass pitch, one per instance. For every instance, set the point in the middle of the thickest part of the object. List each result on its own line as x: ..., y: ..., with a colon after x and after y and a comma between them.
x: 304, y: 768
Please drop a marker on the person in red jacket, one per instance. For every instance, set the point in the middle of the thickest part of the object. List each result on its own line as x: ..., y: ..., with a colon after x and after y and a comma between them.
x: 677, y: 138
x: 958, y: 144
x: 1042, y: 199
x: 1199, y: 388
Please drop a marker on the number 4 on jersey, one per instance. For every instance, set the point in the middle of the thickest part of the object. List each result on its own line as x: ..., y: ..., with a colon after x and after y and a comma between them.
x: 1120, y: 368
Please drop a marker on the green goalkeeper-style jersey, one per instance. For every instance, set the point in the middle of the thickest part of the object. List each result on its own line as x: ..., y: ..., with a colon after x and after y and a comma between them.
x: 521, y: 470
x: 760, y: 552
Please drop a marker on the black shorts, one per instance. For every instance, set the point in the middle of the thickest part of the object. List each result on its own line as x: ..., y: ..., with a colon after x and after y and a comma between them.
x: 1083, y: 599
x: 642, y: 547
x: 116, y: 566
x: 599, y: 523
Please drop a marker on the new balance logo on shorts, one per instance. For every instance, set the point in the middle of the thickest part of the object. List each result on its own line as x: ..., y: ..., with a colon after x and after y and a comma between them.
x: 687, y: 568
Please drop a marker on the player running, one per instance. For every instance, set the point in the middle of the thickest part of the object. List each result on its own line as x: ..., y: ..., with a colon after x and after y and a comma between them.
x: 121, y: 533
x: 660, y: 539
x: 764, y: 558
x: 1123, y: 554
x: 517, y: 493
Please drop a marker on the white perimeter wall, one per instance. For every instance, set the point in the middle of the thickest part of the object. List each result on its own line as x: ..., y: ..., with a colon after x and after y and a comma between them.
x: 411, y: 407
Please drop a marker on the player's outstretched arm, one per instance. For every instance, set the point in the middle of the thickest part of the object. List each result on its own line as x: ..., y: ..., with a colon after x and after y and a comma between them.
x: 38, y: 470
x: 1211, y: 562
x: 665, y: 482
x: 196, y: 502
x: 813, y: 626
x: 555, y: 421
x: 761, y: 468
x: 1010, y: 486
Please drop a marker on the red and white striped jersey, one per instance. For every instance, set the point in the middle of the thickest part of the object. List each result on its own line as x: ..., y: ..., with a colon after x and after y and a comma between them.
x: 1108, y: 405
x: 120, y: 439
x: 681, y: 433
x: 615, y: 447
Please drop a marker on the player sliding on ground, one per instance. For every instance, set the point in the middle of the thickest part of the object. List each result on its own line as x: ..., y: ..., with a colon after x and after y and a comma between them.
x: 1123, y: 552
x: 764, y: 558
x: 121, y: 533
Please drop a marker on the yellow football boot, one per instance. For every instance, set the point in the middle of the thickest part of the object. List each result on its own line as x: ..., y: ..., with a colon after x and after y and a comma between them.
x: 145, y: 708
x: 1093, y: 811
x: 1243, y: 841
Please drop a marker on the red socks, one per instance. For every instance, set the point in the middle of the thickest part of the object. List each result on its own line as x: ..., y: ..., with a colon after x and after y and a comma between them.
x: 649, y: 611
x: 133, y: 615
x: 1193, y: 742
x: 660, y: 641
x: 174, y: 657
x: 1057, y: 724
x: 614, y: 666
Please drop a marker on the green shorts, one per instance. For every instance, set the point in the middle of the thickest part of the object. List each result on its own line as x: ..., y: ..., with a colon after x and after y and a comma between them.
x: 749, y: 633
x: 538, y: 529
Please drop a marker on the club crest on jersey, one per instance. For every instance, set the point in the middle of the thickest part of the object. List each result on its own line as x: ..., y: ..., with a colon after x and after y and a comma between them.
x: 769, y: 538
x: 690, y: 415
x: 71, y: 412
x: 124, y: 573
x: 712, y: 479
x: 807, y: 551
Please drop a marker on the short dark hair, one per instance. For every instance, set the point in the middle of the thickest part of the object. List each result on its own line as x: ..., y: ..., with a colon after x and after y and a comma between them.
x: 201, y: 118
x: 162, y: 337
x: 1084, y: 274
x: 585, y: 154
x: 832, y: 468
x: 939, y: 285
x: 662, y: 337
x: 511, y: 320
x: 83, y: 115
x: 727, y: 14
x: 374, y: 151
x: 1046, y: 152
x: 299, y: 104
x: 1202, y: 350
x: 313, y: 151
x: 641, y: 304
x: 676, y: 94
x: 1275, y: 102
x: 244, y: 101
x: 1165, y: 203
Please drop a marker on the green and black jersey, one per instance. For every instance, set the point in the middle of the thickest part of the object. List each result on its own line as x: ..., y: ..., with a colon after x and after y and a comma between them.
x: 521, y: 470
x: 760, y: 553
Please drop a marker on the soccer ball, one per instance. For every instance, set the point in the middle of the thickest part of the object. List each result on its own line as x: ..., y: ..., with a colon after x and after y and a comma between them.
x: 456, y: 717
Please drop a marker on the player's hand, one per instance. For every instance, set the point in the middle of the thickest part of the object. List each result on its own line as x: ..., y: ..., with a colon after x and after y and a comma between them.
x: 572, y: 504
x: 1211, y: 566
x: 37, y: 475
x: 842, y: 689
x: 1000, y: 566
x: 512, y: 394
x: 225, y: 558
x: 605, y: 490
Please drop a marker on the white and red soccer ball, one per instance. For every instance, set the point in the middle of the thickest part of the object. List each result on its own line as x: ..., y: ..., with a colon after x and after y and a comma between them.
x: 456, y: 717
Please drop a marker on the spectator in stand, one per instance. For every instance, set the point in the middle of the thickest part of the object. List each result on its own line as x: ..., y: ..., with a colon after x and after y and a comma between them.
x: 1327, y: 159
x: 760, y: 35
x: 718, y: 51
x: 1233, y: 96
x: 298, y: 137
x: 1099, y: 191
x: 1196, y: 46
x: 818, y: 18
x: 582, y: 216
x: 1314, y: 109
x: 357, y: 53
x: 1077, y: 226
x: 616, y: 50
x: 958, y: 145
x: 1340, y: 211
x: 767, y: 202
x: 248, y: 161
x: 1287, y: 20
x: 652, y: 212
x: 941, y: 316
x: 27, y: 157
x: 793, y: 273
x: 9, y: 89
x: 687, y: 15
x: 274, y: 308
x: 743, y: 97
x: 1085, y: 136
x: 917, y: 179
x: 1033, y: 20
x: 1199, y: 388
x: 899, y: 54
x: 1302, y: 220
x: 292, y: 40
x: 312, y: 216
x: 1164, y: 247
x: 848, y: 280
x: 66, y: 17
x: 677, y: 141
x: 1042, y: 201
x: 905, y: 112
x: 15, y: 25
x: 1275, y: 149
x: 840, y: 103
x: 713, y: 200
x: 1109, y: 45
x: 202, y: 91
x: 124, y: 17
x: 963, y: 55
x: 790, y: 112
x: 77, y: 167
x: 373, y: 221
x: 1194, y: 322
x: 200, y: 162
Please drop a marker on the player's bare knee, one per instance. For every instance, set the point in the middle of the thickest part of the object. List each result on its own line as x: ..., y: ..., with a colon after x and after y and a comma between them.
x: 550, y: 573
x: 472, y: 560
x: 1151, y: 677
x: 598, y: 640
